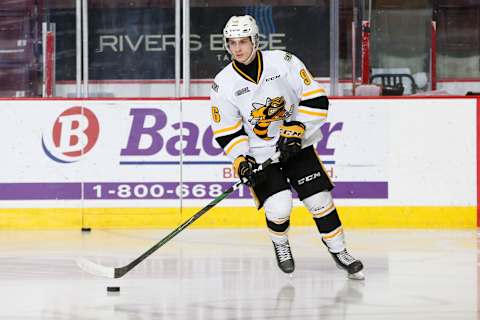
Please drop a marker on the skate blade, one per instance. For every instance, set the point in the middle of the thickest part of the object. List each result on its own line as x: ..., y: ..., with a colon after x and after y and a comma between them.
x: 356, y: 276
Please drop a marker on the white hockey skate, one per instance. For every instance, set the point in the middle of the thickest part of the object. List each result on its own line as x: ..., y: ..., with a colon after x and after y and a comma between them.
x: 346, y: 262
x: 284, y: 256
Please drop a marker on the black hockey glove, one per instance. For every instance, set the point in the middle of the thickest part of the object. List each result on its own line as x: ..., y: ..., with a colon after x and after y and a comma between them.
x: 245, y: 167
x: 290, y: 141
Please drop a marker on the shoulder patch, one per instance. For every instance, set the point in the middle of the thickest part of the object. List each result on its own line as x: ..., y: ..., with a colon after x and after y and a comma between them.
x: 288, y: 56
x: 215, y: 86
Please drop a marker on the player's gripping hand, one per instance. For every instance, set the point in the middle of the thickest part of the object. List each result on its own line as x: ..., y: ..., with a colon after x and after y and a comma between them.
x: 290, y: 141
x: 245, y: 167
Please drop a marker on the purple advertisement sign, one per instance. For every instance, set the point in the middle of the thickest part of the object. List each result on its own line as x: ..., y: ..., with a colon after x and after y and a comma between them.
x: 162, y: 190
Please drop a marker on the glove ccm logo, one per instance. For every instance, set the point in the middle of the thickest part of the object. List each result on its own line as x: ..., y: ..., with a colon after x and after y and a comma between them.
x: 309, y: 178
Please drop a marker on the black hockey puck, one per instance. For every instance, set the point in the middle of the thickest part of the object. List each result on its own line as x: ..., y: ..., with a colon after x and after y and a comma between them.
x: 86, y: 229
x: 113, y: 289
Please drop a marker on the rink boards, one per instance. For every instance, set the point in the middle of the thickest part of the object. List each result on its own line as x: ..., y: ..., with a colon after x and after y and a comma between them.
x: 401, y: 162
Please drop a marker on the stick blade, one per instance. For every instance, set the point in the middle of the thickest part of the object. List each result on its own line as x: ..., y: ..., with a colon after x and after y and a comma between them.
x: 95, y: 268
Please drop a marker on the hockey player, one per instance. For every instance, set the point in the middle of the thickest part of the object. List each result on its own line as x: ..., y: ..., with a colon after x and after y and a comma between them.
x: 264, y: 102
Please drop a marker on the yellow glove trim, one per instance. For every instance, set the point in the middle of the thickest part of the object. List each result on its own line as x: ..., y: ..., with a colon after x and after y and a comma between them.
x: 295, y: 131
x: 236, y: 163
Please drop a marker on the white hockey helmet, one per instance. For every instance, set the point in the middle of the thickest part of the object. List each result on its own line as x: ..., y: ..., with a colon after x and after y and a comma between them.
x: 239, y: 27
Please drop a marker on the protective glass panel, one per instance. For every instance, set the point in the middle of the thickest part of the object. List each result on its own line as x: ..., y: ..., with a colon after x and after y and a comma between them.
x: 131, y: 40
x: 20, y: 48
x: 458, y: 41
x: 400, y: 45
x: 351, y: 14
x: 59, y: 70
x: 131, y: 43
x: 300, y: 27
x: 131, y: 47
x: 280, y: 28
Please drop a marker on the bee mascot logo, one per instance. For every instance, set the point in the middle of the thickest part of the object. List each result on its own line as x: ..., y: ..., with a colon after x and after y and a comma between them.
x: 263, y: 115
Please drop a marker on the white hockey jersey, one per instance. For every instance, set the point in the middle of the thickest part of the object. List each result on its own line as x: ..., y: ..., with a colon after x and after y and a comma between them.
x: 247, y: 113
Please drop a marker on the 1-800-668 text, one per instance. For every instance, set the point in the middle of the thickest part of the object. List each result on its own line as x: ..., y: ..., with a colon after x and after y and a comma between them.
x: 163, y: 190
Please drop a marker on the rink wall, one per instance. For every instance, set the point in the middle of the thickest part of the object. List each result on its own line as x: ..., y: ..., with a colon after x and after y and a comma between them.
x: 396, y: 162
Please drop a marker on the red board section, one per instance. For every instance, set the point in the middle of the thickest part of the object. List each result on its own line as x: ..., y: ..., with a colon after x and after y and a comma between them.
x: 49, y: 68
x: 365, y: 52
x: 433, y: 57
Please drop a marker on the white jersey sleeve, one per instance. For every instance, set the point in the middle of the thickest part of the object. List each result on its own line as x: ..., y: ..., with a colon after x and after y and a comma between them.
x: 226, y: 122
x: 307, y: 88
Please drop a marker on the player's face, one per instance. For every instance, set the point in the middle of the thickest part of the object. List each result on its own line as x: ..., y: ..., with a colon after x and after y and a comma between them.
x: 241, y: 48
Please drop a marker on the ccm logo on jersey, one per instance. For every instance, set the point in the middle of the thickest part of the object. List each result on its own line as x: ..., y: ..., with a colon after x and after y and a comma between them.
x: 309, y: 178
x: 272, y: 78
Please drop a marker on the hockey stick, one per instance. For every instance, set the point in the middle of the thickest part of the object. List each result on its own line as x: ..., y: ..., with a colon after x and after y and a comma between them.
x: 111, y: 272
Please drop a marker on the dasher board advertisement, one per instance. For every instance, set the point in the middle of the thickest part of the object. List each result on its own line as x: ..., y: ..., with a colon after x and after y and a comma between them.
x: 128, y: 153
